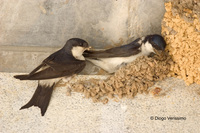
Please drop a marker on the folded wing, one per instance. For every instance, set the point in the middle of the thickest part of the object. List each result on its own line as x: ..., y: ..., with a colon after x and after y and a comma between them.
x: 55, y: 66
x: 132, y: 48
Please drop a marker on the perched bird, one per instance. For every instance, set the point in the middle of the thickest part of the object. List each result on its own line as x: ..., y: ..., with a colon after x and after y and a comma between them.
x: 111, y: 59
x: 64, y: 63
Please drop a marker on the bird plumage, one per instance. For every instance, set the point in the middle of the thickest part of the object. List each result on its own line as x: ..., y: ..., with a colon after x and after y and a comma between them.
x: 41, y: 98
x: 111, y: 59
x: 59, y: 64
x: 121, y: 51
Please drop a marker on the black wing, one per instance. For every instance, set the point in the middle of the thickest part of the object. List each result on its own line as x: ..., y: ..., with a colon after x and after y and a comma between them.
x: 121, y: 51
x: 56, y: 65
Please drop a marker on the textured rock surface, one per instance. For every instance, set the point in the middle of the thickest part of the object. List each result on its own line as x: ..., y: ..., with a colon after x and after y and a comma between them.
x: 75, y: 114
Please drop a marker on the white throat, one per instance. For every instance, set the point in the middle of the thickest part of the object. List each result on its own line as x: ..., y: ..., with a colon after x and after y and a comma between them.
x: 147, y: 48
x: 77, y: 52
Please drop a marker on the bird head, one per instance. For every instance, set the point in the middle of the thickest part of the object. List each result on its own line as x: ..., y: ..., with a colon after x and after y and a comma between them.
x: 157, y: 41
x: 76, y: 47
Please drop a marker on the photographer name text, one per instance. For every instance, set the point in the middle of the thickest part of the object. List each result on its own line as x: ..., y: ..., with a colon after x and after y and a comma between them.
x: 167, y: 118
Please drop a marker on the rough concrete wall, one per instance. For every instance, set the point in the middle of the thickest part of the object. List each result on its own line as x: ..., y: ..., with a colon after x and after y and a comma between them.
x: 145, y: 17
x: 50, y: 23
x: 100, y: 22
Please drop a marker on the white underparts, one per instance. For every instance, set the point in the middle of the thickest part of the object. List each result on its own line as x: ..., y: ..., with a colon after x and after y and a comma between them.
x: 49, y: 82
x: 147, y: 48
x: 77, y: 52
x: 112, y: 64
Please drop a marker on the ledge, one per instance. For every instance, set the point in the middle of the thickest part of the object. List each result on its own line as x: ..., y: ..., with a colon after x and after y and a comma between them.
x: 24, y: 59
x: 27, y: 48
x: 77, y: 114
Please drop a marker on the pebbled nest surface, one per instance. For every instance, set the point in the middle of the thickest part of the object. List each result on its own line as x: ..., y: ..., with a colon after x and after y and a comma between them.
x: 129, y: 80
x: 181, y: 30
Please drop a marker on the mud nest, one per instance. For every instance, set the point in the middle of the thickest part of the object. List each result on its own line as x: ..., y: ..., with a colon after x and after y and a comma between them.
x: 129, y: 80
x: 182, y: 35
x: 181, y: 8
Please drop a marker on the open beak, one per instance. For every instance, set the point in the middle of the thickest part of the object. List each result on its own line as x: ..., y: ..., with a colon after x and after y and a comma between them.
x: 88, y: 48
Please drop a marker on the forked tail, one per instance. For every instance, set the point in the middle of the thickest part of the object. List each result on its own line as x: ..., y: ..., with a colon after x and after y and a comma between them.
x: 41, y: 97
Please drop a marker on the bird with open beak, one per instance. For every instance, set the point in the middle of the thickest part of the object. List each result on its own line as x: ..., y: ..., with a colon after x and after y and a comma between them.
x: 66, y: 62
x: 111, y: 59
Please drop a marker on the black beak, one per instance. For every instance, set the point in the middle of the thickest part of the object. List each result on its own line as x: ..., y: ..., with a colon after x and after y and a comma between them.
x: 86, y: 46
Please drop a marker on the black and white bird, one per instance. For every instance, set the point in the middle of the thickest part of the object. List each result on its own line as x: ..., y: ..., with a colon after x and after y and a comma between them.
x: 111, y: 59
x: 64, y: 63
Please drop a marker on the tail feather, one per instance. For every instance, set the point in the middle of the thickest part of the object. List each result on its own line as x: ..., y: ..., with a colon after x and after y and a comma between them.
x: 41, y: 98
x: 21, y: 77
